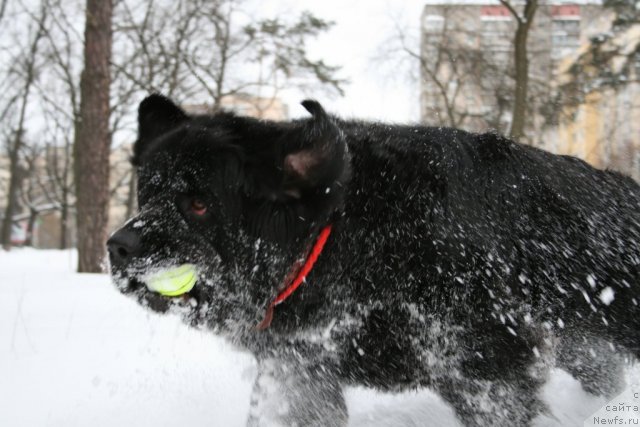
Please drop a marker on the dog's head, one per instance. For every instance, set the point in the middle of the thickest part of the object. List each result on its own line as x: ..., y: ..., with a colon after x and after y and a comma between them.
x: 233, y: 201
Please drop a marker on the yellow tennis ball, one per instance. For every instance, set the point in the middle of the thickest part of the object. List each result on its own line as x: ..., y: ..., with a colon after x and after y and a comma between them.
x: 174, y: 281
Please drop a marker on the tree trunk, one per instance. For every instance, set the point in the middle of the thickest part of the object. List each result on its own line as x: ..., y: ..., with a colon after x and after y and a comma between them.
x: 522, y: 82
x: 64, y: 222
x: 521, y: 62
x: 33, y: 216
x: 132, y: 196
x: 14, y: 152
x: 3, y: 8
x: 93, y: 141
x: 14, y: 184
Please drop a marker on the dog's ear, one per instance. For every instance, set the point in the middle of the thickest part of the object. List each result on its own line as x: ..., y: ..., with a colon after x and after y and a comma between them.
x: 314, y: 154
x: 299, y: 181
x: 157, y: 115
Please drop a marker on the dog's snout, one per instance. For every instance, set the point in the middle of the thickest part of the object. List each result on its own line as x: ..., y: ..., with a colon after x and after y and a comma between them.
x: 123, y: 246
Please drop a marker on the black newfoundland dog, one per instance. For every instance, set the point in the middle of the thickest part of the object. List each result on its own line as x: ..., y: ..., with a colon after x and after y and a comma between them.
x: 349, y: 253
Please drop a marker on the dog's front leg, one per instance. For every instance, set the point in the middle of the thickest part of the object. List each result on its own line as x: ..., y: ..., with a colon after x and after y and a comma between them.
x: 290, y: 393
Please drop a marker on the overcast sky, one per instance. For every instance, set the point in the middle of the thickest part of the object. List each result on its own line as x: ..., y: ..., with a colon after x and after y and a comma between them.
x: 387, y: 90
x: 380, y: 88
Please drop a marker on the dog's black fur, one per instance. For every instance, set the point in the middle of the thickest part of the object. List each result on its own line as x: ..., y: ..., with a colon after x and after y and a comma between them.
x: 460, y: 262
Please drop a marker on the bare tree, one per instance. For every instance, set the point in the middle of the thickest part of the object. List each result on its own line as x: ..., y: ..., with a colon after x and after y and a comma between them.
x: 56, y: 178
x: 521, y: 64
x: 3, y: 8
x: 26, y: 70
x: 61, y: 109
x: 604, y: 77
x: 34, y: 193
x: 468, y: 71
x: 186, y: 48
x: 93, y: 139
x: 198, y: 50
x: 457, y: 73
x: 626, y: 12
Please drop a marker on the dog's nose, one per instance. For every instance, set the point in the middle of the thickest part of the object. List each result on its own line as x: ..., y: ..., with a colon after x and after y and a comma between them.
x: 123, y: 246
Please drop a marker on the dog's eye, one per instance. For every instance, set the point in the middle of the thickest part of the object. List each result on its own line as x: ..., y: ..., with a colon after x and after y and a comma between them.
x: 198, y: 207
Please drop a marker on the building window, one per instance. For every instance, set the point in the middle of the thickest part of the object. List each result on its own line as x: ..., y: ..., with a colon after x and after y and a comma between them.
x: 433, y: 23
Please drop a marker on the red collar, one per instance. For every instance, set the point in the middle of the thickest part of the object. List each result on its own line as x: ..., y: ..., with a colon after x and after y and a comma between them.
x: 302, y: 273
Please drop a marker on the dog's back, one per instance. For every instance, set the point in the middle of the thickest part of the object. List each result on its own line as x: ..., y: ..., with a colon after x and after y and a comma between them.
x: 478, y: 257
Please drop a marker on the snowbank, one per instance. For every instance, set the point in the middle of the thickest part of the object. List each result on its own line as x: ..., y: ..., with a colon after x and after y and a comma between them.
x: 74, y: 352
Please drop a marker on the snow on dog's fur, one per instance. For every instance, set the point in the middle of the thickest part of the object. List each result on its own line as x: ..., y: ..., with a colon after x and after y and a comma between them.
x: 461, y: 262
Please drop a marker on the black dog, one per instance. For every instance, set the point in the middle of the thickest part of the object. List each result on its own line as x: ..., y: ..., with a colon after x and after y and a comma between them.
x: 445, y: 259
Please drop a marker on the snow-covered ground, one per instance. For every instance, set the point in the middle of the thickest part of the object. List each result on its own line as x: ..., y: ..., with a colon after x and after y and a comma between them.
x: 74, y: 352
